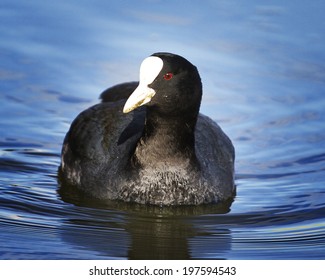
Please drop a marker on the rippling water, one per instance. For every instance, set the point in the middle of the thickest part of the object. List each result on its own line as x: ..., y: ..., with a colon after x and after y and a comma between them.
x: 263, y: 72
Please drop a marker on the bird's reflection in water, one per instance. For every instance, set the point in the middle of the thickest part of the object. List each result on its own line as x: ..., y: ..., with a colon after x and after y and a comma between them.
x: 133, y: 231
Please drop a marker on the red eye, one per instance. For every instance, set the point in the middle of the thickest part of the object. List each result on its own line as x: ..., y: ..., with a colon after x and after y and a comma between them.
x: 168, y: 76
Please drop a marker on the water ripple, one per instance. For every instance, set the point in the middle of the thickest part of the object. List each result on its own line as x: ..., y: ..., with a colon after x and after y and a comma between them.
x: 262, y: 82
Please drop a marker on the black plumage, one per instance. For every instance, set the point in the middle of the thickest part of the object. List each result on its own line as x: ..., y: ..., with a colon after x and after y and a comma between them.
x: 162, y: 153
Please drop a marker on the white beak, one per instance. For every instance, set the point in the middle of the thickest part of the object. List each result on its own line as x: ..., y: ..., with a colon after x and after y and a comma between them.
x: 149, y: 71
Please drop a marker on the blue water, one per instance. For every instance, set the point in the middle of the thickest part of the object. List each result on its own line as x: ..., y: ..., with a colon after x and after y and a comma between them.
x: 262, y: 66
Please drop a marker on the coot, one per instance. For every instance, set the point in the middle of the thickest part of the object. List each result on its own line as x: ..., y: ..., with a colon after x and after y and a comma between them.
x: 163, y: 153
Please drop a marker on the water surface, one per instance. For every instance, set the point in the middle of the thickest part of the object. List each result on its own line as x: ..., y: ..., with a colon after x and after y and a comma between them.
x: 263, y: 72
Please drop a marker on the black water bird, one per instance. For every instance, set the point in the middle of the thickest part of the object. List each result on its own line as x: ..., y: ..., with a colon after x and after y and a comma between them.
x: 162, y: 153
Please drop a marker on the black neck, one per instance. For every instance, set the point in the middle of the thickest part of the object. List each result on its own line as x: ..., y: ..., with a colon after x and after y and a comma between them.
x: 175, y: 131
x: 166, y: 138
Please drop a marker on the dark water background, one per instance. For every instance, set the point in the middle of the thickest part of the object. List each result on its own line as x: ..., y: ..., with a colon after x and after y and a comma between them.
x: 262, y: 66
